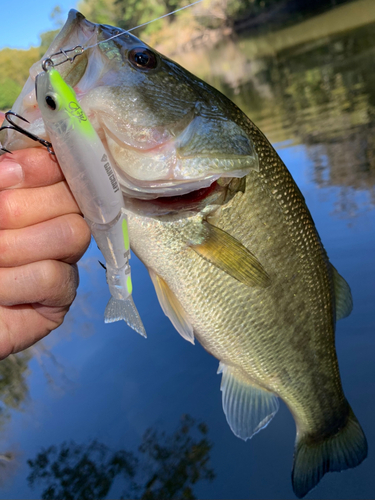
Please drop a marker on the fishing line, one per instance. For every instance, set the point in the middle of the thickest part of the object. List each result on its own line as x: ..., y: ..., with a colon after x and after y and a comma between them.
x: 144, y: 24
x: 79, y: 49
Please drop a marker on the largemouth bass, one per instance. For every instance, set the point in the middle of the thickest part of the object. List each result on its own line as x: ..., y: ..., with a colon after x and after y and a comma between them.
x: 226, y: 235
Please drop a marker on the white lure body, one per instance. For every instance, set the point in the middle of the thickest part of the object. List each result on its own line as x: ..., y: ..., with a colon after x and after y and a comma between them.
x: 93, y: 182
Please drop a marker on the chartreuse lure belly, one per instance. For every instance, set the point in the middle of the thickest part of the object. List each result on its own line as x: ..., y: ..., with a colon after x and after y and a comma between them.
x: 94, y: 184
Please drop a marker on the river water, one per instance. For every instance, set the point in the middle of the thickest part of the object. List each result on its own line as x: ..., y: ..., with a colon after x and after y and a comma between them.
x: 96, y: 411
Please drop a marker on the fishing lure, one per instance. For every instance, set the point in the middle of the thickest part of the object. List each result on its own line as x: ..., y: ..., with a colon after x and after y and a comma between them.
x: 93, y: 182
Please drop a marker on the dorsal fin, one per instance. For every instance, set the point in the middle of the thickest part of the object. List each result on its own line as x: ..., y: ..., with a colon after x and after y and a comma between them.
x: 248, y: 409
x: 228, y: 254
x: 172, y: 308
x: 343, y: 295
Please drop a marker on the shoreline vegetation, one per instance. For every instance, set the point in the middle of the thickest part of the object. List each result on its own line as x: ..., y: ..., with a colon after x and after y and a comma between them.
x: 263, y: 27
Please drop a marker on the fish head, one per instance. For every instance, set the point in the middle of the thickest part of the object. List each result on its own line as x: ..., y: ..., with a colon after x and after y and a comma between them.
x: 167, y: 132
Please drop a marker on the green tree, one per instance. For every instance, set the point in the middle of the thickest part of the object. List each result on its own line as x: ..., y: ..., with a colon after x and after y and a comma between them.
x: 46, y: 39
x: 100, y: 11
x: 14, y: 71
x: 130, y: 13
x: 15, y: 64
x: 9, y: 90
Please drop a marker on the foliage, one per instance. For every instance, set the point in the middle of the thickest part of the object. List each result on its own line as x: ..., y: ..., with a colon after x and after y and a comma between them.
x: 168, y: 467
x: 100, y: 11
x: 14, y: 72
x: 127, y: 14
x: 9, y: 91
x: 15, y: 64
x: 130, y: 13
x: 238, y: 8
x: 46, y: 39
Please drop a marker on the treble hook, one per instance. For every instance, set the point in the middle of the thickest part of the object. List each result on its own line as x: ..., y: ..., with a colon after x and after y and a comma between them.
x: 17, y: 128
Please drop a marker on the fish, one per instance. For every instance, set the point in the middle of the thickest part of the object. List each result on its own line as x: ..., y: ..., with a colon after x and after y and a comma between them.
x: 226, y: 235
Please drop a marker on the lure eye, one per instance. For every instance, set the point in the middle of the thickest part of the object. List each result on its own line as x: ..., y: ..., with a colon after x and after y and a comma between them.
x: 52, y: 102
x: 143, y: 59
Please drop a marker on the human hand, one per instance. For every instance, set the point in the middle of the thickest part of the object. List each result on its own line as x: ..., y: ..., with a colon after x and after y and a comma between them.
x: 42, y: 237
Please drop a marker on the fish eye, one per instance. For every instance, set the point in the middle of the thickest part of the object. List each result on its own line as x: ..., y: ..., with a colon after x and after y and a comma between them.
x: 142, y: 58
x: 52, y: 101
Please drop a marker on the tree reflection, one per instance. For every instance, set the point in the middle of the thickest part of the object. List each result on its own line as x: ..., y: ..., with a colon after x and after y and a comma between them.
x: 319, y: 93
x: 13, y: 386
x: 167, y: 466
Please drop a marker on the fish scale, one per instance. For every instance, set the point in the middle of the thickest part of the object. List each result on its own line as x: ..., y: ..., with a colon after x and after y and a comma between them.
x: 222, y: 315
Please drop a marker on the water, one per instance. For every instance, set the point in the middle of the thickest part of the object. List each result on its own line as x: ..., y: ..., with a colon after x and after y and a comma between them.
x: 98, y: 388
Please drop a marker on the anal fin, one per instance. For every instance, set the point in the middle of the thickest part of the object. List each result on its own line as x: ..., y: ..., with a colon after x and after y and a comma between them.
x: 248, y: 409
x: 172, y: 308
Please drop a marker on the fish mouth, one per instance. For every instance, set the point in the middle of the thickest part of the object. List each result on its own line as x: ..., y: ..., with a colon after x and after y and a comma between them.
x: 152, y: 158
x: 148, y: 165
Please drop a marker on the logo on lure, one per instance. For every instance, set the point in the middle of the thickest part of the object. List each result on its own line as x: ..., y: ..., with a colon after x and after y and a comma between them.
x: 110, y: 173
x: 77, y: 112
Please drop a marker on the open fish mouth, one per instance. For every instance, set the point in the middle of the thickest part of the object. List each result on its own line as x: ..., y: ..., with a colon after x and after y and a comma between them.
x: 153, y: 166
x: 167, y: 133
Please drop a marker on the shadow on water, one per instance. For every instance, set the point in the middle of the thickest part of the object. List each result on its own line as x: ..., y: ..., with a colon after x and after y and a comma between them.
x: 165, y: 466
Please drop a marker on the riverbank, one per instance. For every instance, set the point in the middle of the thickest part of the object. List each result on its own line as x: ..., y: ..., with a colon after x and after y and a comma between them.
x: 193, y: 37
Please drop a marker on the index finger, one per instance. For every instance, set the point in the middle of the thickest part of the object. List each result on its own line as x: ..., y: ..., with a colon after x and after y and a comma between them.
x: 25, y: 168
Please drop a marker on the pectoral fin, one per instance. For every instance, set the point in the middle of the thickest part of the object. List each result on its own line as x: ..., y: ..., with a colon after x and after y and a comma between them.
x: 344, y: 301
x: 228, y: 254
x: 248, y: 408
x: 172, y: 308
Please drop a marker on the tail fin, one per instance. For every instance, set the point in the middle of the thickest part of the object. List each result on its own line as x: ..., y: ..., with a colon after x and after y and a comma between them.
x: 124, y: 309
x: 343, y: 450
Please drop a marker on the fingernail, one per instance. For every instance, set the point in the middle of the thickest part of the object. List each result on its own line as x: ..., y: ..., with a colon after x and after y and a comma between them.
x: 11, y: 174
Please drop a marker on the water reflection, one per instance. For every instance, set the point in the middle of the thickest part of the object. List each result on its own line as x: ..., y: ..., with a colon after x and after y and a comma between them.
x: 165, y: 467
x: 320, y: 94
x: 13, y: 385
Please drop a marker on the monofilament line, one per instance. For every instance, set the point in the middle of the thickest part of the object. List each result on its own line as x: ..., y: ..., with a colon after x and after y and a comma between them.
x: 144, y: 24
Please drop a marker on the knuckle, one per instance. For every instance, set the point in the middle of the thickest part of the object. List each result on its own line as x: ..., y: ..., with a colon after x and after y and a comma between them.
x: 58, y: 280
x: 48, y: 275
x: 76, y: 235
x: 71, y: 283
